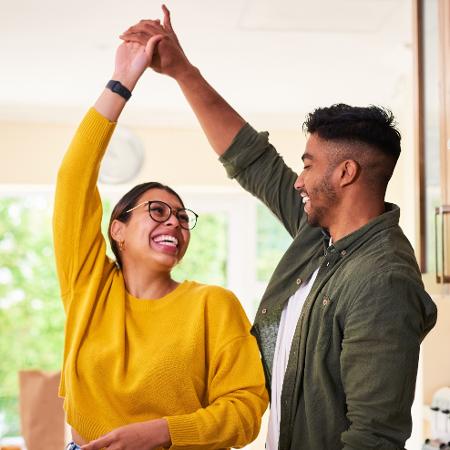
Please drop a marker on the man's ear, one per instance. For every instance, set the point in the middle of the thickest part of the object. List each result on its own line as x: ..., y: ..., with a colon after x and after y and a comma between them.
x: 117, y: 230
x: 349, y: 171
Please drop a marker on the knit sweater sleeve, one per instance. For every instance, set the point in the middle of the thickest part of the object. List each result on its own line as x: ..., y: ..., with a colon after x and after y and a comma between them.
x: 79, y: 244
x: 236, y: 389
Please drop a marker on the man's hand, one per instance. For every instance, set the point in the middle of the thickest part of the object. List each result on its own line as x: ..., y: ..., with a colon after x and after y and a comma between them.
x: 169, y: 58
x: 137, y: 436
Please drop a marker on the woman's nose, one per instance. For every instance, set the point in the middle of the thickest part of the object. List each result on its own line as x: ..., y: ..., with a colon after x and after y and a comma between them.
x: 172, y: 220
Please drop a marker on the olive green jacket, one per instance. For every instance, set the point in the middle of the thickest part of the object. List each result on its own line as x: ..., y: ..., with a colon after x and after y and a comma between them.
x: 352, y: 369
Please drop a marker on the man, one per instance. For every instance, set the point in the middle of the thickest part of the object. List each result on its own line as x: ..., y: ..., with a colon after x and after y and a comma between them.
x: 343, y: 316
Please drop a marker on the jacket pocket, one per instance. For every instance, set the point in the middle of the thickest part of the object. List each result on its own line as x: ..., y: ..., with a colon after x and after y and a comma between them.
x: 321, y: 324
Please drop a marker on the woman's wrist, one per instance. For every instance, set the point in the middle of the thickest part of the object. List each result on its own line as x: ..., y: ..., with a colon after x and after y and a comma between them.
x: 126, y: 80
x: 113, y: 99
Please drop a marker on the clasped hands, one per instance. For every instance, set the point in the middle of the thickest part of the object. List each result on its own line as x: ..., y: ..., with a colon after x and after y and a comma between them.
x: 168, y: 57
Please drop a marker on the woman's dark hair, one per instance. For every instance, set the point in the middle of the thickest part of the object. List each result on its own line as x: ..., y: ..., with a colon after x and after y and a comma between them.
x: 128, y: 201
x: 371, y: 125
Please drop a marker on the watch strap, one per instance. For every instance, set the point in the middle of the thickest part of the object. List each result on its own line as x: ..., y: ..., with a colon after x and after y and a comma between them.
x: 118, y: 88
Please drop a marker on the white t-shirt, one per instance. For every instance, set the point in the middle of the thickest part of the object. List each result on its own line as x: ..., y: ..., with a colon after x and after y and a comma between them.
x: 288, y: 324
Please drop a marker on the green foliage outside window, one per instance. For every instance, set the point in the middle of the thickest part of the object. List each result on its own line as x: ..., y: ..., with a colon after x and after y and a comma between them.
x: 206, y: 258
x: 31, y: 315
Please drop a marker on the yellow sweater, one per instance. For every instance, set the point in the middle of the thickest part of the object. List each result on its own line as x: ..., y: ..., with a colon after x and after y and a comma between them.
x: 188, y: 356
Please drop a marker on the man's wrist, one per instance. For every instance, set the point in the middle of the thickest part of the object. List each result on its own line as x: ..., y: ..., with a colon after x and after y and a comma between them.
x: 187, y: 73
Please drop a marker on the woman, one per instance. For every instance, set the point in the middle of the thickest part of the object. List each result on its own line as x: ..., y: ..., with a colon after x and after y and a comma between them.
x: 148, y: 362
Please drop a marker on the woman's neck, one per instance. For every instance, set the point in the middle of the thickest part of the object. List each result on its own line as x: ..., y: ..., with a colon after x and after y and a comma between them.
x: 148, y: 285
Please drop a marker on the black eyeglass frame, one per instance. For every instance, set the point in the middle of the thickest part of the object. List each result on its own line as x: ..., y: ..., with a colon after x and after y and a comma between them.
x: 173, y: 211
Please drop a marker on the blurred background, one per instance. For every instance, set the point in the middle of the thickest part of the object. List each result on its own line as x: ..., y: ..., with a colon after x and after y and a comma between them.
x: 274, y: 62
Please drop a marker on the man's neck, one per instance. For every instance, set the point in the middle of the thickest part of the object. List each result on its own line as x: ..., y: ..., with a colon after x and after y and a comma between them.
x: 349, y: 219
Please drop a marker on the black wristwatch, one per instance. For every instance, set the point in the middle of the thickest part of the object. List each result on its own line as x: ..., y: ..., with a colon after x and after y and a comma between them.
x: 118, y: 88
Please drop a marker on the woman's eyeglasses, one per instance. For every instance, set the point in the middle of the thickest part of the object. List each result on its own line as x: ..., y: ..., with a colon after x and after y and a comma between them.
x: 160, y: 212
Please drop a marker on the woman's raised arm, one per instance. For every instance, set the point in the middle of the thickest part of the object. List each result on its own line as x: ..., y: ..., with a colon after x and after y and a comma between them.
x: 77, y: 210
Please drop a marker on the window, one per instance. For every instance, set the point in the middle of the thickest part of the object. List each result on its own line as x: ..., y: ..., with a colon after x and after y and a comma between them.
x: 31, y: 315
x: 235, y: 244
x: 431, y: 135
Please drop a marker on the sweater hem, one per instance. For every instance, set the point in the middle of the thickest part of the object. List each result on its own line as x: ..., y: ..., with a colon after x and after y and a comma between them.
x: 84, y: 425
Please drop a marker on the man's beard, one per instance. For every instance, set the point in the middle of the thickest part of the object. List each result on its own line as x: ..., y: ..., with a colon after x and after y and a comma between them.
x: 318, y: 215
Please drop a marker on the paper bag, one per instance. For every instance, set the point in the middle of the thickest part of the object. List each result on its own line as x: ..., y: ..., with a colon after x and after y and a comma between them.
x: 41, y: 410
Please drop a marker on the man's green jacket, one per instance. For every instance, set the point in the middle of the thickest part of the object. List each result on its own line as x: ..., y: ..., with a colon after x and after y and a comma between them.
x: 351, y: 375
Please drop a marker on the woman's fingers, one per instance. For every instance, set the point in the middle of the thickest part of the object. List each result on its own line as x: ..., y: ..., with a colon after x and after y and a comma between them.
x: 151, y: 45
x: 140, y: 37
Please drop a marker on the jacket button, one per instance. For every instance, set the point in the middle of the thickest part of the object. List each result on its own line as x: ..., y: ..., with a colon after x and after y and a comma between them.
x: 343, y: 253
x: 325, y: 301
x: 264, y: 310
x: 299, y: 281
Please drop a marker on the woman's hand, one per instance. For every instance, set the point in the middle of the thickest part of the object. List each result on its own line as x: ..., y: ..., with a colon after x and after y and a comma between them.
x: 132, y: 58
x: 131, y: 61
x: 170, y: 58
x: 137, y: 436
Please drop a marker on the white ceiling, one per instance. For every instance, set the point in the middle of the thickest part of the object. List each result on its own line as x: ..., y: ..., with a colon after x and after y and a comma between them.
x: 273, y: 59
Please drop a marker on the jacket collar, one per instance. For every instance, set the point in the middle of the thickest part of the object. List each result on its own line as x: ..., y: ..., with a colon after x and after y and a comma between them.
x: 388, y: 219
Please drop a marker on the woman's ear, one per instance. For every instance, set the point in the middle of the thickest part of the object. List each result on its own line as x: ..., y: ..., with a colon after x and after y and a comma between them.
x: 117, y: 230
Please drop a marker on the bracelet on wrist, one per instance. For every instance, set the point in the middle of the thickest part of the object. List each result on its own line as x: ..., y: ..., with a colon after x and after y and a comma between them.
x: 118, y: 88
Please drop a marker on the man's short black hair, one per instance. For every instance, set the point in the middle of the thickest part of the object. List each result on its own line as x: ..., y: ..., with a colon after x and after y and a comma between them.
x: 371, y: 125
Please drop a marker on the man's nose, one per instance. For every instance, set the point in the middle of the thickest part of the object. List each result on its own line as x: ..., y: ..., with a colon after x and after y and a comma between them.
x: 298, y: 185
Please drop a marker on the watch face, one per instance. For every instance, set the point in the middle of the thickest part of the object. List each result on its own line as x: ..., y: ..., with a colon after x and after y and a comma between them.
x: 123, y: 159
